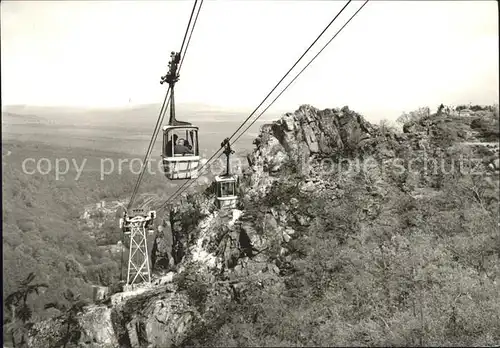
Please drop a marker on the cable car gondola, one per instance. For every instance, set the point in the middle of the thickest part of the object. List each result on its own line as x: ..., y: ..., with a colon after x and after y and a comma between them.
x: 227, y: 184
x: 180, y: 150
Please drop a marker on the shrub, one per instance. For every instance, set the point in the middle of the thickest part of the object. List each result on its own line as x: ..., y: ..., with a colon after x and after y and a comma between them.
x: 414, y: 116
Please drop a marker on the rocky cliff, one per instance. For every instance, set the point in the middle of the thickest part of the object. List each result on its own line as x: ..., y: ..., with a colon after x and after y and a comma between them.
x: 307, y: 170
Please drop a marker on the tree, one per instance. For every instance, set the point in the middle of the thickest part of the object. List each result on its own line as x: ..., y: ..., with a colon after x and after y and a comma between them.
x: 20, y: 312
x: 414, y: 116
x: 385, y: 127
x: 69, y: 314
x: 440, y: 109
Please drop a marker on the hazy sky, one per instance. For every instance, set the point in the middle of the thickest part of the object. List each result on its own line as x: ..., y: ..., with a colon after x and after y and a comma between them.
x: 393, y: 56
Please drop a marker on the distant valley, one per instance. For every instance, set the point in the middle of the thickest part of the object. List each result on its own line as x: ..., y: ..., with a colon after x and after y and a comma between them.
x: 122, y: 129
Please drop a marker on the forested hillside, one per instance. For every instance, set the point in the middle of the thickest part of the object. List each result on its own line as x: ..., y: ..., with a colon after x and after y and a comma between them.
x: 402, y: 250
x: 346, y: 234
x: 41, y: 215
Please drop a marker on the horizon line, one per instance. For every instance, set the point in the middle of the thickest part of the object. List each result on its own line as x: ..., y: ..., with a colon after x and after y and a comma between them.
x: 123, y: 106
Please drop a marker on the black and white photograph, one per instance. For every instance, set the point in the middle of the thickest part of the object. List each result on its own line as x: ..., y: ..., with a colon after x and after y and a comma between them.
x: 250, y: 173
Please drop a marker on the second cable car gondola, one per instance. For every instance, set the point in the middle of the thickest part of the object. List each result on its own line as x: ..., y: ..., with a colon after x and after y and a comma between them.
x: 180, y: 149
x: 226, y: 185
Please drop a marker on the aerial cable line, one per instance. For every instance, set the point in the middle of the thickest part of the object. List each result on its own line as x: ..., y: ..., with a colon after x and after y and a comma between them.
x: 180, y: 190
x: 292, y: 80
x: 290, y: 70
x: 190, y: 34
x: 183, y: 55
x: 163, y: 109
x: 189, y: 25
x: 150, y: 147
x: 158, y: 122
x: 166, y: 100
x: 296, y: 76
x: 161, y: 116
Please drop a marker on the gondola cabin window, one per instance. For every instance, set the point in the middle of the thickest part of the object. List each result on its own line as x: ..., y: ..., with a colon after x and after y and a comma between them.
x: 180, y: 152
x: 181, y: 142
x: 226, y: 189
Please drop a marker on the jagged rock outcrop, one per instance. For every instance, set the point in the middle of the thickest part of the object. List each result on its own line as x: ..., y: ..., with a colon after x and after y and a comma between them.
x: 310, y: 132
x: 159, y: 320
x: 155, y: 317
x: 95, y: 328
x: 163, y: 249
x: 216, y: 253
x: 234, y: 248
x: 312, y: 143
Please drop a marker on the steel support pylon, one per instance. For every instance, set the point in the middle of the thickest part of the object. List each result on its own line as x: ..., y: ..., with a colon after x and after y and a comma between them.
x: 139, y: 269
x: 138, y: 260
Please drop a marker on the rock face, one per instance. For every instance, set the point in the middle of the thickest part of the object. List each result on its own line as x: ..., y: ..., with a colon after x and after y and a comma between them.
x: 163, y: 248
x: 311, y: 142
x: 217, y: 244
x: 221, y: 250
x: 95, y: 327
x: 160, y: 320
x: 154, y: 318
x: 310, y: 132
